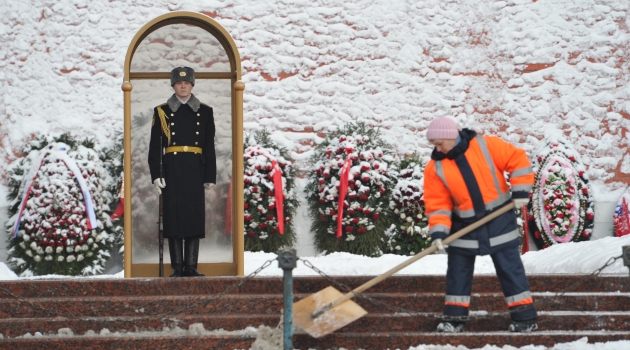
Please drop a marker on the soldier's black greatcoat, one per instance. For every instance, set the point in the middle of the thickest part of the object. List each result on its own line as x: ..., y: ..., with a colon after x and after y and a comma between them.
x: 191, y: 124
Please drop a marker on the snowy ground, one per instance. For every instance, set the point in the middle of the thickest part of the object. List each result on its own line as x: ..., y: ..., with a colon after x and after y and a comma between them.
x: 569, y: 258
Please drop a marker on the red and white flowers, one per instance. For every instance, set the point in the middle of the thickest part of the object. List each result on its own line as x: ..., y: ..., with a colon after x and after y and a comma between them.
x: 561, y: 209
x: 262, y: 211
x: 358, y: 225
x: 410, y: 233
x: 56, y: 234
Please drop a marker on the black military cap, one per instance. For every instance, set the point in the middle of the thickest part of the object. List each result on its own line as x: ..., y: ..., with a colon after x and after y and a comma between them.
x: 183, y: 74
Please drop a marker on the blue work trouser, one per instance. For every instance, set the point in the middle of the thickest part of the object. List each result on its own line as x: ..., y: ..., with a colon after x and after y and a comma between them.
x: 511, y: 273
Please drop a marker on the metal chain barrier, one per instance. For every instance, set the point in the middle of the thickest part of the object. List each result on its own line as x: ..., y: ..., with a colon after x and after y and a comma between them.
x: 582, y: 281
x: 400, y: 310
x: 224, y: 292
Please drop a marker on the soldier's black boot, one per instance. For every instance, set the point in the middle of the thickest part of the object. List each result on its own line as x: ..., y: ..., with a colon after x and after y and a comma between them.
x: 191, y: 254
x: 177, y: 261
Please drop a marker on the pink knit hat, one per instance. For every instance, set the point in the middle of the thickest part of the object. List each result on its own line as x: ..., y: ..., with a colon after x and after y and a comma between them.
x: 442, y: 128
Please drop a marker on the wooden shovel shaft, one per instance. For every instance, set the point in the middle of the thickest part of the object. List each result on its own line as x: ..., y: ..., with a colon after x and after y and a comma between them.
x: 413, y: 259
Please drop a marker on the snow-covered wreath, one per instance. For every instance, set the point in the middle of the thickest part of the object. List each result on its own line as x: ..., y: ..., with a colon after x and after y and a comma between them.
x: 58, y: 223
x: 409, y: 234
x: 561, y: 208
x: 270, y: 199
x: 349, y: 189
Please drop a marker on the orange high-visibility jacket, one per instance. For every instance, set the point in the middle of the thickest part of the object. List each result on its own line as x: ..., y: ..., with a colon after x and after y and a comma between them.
x: 469, y: 183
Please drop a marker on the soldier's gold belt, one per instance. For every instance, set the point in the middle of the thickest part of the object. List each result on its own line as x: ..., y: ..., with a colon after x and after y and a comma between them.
x: 190, y: 149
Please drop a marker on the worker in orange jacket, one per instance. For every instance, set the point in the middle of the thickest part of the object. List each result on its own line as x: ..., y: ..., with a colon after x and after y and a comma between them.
x: 464, y: 182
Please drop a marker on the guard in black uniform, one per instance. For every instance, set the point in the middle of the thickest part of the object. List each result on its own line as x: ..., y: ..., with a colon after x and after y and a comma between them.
x: 182, y: 137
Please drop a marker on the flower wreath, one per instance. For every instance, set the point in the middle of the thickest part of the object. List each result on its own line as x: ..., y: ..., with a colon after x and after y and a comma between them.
x: 353, y: 164
x: 410, y: 233
x: 58, y: 222
x: 270, y: 200
x: 561, y: 207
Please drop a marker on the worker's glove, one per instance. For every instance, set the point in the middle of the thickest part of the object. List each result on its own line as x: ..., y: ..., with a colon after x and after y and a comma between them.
x: 520, y: 202
x: 208, y: 186
x: 440, y: 247
x: 159, y: 185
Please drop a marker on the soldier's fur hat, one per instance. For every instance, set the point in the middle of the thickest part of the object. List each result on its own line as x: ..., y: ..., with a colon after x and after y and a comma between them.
x: 183, y: 74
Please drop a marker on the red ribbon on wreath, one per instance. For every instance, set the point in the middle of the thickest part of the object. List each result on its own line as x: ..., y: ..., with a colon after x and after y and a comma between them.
x: 120, y: 209
x: 277, y: 188
x: 525, y: 248
x: 343, y: 190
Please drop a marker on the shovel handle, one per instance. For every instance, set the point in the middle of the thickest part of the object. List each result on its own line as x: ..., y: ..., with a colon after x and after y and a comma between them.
x: 413, y: 259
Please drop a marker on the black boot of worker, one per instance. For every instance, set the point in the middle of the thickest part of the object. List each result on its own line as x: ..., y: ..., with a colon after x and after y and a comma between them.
x: 177, y: 262
x: 191, y: 254
x: 451, y: 327
x: 523, y: 326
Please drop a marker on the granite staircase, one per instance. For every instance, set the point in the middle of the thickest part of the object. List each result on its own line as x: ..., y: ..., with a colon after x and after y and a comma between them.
x: 403, y: 311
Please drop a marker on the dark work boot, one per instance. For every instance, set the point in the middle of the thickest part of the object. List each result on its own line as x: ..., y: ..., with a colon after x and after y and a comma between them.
x: 177, y: 262
x: 191, y: 254
x: 523, y: 326
x: 451, y: 327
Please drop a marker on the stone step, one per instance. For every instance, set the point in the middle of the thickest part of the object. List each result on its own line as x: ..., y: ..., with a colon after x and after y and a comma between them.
x: 82, y: 325
x: 595, y: 307
x: 494, y: 302
x: 129, y: 342
x: 371, y: 323
x: 349, y: 341
x: 404, y: 340
x: 272, y: 303
x: 272, y: 285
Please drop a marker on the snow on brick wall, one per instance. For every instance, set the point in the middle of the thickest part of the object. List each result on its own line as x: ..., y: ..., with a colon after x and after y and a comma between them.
x: 520, y: 69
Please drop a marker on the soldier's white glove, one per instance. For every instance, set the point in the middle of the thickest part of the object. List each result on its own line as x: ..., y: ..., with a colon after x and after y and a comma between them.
x: 439, y: 245
x: 159, y: 185
x: 520, y: 202
x: 208, y: 186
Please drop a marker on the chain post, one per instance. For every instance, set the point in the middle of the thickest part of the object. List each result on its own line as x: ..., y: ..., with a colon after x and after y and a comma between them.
x: 287, y: 261
x: 625, y: 253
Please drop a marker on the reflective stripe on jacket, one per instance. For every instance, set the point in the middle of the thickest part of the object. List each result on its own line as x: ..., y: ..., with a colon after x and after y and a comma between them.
x: 468, y: 183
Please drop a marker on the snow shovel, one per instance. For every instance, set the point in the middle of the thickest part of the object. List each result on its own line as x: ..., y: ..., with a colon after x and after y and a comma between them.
x: 328, y: 310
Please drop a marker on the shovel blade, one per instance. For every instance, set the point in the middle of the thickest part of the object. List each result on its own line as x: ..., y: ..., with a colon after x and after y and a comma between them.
x: 329, y: 321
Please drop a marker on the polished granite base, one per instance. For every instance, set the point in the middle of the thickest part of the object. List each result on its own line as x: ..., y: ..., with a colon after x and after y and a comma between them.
x: 403, y: 311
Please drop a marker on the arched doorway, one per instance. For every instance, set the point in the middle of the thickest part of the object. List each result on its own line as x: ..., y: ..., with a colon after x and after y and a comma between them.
x: 194, y: 40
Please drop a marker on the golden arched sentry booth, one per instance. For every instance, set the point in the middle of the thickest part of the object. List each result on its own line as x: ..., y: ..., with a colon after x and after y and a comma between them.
x: 194, y: 40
